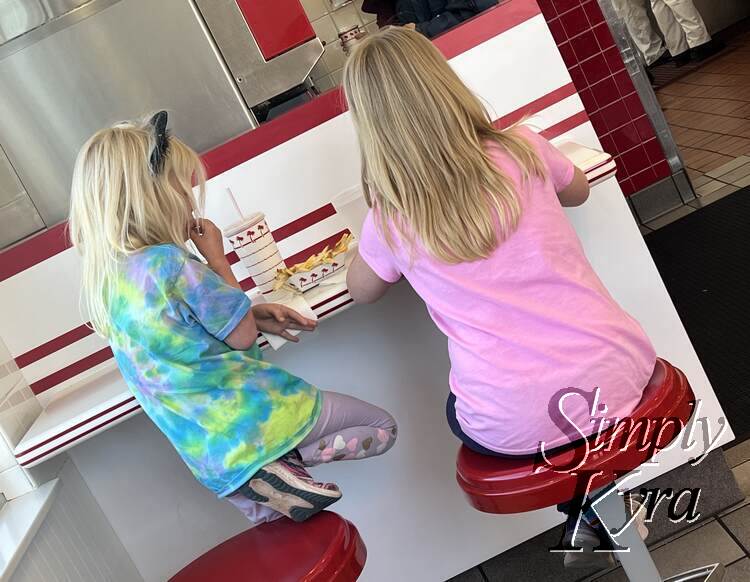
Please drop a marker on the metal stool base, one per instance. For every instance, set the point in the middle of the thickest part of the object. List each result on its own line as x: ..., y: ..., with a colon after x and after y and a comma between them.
x: 637, y: 563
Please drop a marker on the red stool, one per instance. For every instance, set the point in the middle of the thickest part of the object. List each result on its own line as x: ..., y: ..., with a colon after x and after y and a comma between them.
x: 325, y: 548
x: 499, y: 485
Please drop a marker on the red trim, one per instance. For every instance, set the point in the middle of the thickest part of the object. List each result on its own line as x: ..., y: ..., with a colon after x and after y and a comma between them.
x: 486, y: 26
x: 304, y: 222
x: 33, y: 251
x: 565, y: 125
x: 535, y: 107
x: 53, y: 345
x: 77, y: 426
x: 72, y: 370
x: 339, y: 306
x: 79, y: 437
x: 333, y: 298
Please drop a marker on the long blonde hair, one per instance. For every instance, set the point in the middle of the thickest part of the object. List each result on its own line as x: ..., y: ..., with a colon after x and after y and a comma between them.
x: 423, y: 140
x: 119, y: 205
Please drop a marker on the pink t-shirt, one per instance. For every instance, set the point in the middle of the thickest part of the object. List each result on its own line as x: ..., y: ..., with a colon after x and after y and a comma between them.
x: 527, y: 323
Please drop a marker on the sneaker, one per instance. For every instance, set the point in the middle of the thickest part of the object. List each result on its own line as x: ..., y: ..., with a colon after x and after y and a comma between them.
x: 588, y: 540
x: 286, y: 486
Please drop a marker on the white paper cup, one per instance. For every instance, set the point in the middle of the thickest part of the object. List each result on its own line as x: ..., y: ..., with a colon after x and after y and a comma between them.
x: 249, y: 235
x: 352, y: 207
x: 268, y: 265
x: 253, y: 242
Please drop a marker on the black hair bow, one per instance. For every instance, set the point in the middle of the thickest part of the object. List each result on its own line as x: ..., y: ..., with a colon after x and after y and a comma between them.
x: 161, y: 142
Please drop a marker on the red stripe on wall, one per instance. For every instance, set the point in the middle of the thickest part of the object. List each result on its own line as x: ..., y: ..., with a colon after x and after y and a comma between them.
x: 79, y: 437
x: 304, y: 222
x: 565, y: 125
x: 486, y: 26
x: 33, y: 251
x: 54, y: 345
x: 72, y: 370
x: 536, y: 106
x: 76, y: 426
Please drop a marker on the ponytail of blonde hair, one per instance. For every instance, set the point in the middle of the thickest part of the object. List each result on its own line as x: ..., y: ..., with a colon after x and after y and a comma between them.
x: 119, y: 206
x: 423, y: 141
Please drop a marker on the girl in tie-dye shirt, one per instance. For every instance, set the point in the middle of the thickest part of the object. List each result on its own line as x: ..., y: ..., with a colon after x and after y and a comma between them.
x: 183, y: 332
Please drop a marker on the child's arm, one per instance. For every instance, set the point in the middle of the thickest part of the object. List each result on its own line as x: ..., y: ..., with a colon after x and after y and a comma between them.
x: 363, y: 283
x: 208, y: 240
x: 577, y: 192
x: 269, y: 317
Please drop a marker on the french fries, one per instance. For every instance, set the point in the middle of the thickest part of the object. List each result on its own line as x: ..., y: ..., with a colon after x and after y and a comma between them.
x: 325, y: 256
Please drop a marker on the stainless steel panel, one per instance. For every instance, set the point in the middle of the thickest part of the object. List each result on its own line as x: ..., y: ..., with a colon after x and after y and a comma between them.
x: 57, y: 8
x: 131, y: 58
x: 18, y: 217
x: 10, y: 186
x: 18, y: 220
x: 18, y: 17
x: 258, y: 79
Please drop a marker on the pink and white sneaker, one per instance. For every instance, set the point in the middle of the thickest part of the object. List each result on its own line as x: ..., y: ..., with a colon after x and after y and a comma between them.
x: 285, y: 486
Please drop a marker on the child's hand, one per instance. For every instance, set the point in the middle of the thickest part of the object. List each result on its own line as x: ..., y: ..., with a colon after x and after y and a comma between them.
x: 277, y: 319
x: 208, y: 239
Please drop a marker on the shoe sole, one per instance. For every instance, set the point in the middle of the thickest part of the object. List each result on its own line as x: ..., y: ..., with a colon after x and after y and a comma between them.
x: 295, y: 503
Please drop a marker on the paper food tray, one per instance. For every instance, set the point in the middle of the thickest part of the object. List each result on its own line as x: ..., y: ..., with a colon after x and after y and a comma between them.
x: 307, y: 280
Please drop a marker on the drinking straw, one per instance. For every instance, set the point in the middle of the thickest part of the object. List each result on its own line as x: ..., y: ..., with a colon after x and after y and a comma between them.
x: 234, y: 202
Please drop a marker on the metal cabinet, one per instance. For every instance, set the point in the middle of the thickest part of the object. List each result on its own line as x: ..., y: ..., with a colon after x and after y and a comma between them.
x: 18, y: 17
x: 18, y: 216
x: 112, y: 60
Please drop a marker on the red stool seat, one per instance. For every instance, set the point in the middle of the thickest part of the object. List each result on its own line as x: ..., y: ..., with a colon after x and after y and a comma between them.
x: 500, y: 485
x: 325, y: 548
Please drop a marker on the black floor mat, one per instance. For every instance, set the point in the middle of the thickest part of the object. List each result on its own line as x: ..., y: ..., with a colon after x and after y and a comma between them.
x: 704, y: 260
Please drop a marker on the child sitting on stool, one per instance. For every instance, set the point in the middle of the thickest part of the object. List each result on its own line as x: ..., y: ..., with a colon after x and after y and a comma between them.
x: 472, y: 217
x: 184, y: 333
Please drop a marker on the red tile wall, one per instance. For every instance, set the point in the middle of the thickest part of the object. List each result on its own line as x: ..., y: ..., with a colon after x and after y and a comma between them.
x: 614, y: 107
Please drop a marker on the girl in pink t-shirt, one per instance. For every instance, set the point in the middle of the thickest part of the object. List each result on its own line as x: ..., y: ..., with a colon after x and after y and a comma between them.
x: 473, y: 218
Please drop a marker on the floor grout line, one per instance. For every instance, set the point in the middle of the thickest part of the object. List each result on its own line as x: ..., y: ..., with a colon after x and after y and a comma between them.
x: 730, y: 533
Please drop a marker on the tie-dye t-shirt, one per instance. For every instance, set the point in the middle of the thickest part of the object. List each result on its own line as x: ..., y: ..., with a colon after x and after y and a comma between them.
x: 226, y: 412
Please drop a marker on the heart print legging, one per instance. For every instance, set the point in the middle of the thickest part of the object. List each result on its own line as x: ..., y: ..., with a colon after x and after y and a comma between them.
x: 347, y: 429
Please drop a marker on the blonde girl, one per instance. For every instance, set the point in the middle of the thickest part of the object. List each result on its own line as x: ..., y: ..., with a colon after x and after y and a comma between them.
x: 183, y: 332
x: 472, y: 216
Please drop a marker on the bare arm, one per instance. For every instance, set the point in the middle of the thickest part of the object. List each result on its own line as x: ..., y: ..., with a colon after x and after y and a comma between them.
x: 364, y: 285
x: 577, y: 192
